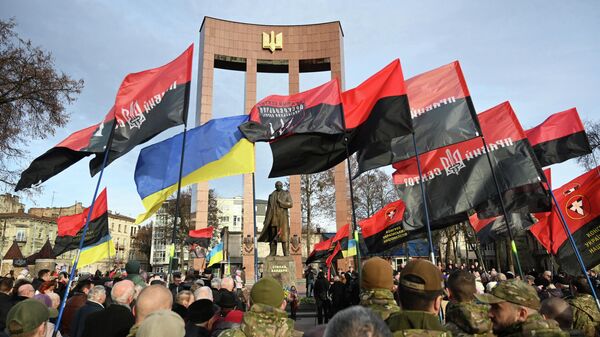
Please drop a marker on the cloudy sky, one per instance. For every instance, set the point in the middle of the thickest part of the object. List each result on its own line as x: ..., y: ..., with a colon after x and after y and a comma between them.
x: 543, y: 56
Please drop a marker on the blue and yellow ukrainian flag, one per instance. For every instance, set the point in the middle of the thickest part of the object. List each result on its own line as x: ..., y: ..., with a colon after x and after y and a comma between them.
x: 215, y: 255
x: 351, y: 246
x: 103, y: 249
x: 213, y: 150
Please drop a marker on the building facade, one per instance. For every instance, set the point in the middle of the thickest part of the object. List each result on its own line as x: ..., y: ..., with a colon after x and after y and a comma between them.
x: 31, y: 229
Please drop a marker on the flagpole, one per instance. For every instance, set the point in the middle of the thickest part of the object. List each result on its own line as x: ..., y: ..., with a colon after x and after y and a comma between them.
x: 255, y: 238
x: 507, y: 218
x: 354, y: 224
x: 177, y: 209
x: 425, y: 207
x: 575, y: 249
x: 85, y: 228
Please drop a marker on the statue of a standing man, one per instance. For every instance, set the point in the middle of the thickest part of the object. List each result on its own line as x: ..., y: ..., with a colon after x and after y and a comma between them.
x: 276, y: 225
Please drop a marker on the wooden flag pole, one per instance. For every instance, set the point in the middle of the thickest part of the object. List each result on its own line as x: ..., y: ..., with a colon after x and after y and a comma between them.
x: 85, y: 229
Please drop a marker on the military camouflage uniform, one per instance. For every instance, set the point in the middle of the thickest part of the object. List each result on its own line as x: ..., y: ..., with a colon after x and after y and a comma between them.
x: 585, y: 315
x: 264, y: 321
x: 468, y: 319
x: 522, y: 294
x: 381, y: 301
x: 411, y: 323
x: 535, y: 325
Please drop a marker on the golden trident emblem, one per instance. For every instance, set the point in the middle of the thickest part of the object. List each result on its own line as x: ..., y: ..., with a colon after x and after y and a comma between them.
x: 272, y: 41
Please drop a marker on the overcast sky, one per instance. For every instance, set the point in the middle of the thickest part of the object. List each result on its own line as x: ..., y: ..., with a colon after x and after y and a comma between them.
x: 542, y: 56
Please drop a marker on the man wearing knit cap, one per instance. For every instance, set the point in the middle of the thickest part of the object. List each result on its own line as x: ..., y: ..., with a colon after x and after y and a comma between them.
x: 421, y: 287
x: 514, y: 311
x: 267, y: 316
x: 376, y: 285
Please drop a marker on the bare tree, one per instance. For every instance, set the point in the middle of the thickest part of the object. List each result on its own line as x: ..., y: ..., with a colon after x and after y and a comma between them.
x: 592, y: 129
x: 143, y: 241
x: 33, y: 95
x: 318, y: 199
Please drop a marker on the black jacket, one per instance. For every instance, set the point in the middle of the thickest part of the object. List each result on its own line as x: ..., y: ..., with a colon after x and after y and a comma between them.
x: 5, y: 305
x: 338, y: 295
x: 81, y: 315
x: 192, y: 330
x: 321, y: 289
x: 114, y: 321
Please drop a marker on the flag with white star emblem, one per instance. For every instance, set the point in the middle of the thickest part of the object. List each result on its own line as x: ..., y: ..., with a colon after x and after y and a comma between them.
x: 579, y: 200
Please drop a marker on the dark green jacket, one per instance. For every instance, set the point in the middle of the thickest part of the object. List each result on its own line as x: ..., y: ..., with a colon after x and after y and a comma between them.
x: 416, y: 323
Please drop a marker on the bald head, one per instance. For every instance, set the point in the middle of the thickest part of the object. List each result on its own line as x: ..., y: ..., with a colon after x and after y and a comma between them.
x: 151, y: 299
x: 26, y: 290
x: 227, y: 283
x: 123, y: 292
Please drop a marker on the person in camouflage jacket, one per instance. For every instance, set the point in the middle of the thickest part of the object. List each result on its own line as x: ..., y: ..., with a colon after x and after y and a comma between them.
x: 267, y: 316
x: 376, y: 284
x: 586, y: 316
x: 465, y: 317
x: 514, y: 311
x: 421, y: 287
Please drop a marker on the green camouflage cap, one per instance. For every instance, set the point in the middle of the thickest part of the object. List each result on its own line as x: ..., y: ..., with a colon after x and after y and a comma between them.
x: 27, y: 315
x: 513, y: 291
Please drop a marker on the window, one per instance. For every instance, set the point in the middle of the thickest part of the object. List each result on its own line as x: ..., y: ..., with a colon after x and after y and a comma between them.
x: 21, y: 235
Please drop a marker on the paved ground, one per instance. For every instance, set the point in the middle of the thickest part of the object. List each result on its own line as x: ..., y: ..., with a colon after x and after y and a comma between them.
x: 305, y: 323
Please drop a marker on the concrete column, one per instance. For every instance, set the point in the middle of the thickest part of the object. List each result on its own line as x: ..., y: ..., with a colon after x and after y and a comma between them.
x: 296, y: 211
x: 204, y: 114
x: 248, y: 203
x: 343, y: 206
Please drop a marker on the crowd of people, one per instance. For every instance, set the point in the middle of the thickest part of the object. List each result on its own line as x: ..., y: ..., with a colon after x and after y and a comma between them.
x: 419, y: 299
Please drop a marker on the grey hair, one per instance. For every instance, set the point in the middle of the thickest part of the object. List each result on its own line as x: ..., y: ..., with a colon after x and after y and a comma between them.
x: 96, y: 292
x: 357, y: 321
x: 203, y: 293
x: 215, y: 283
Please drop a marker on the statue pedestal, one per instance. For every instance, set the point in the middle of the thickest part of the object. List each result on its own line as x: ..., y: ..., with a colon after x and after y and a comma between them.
x: 281, y: 268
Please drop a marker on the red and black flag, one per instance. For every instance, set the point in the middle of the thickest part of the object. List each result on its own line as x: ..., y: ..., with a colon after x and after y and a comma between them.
x: 70, y: 228
x: 441, y: 109
x: 146, y: 104
x: 200, y: 237
x: 318, y: 110
x: 320, y: 251
x: 376, y: 113
x: 458, y: 177
x: 559, y: 138
x: 307, y: 131
x: 494, y: 229
x: 334, y: 255
x: 579, y: 201
x: 385, y: 229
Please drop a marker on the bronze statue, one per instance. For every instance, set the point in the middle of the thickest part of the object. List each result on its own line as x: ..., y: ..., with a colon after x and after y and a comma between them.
x: 277, y: 226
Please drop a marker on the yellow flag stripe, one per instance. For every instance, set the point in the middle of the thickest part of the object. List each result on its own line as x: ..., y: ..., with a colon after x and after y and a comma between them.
x: 239, y: 160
